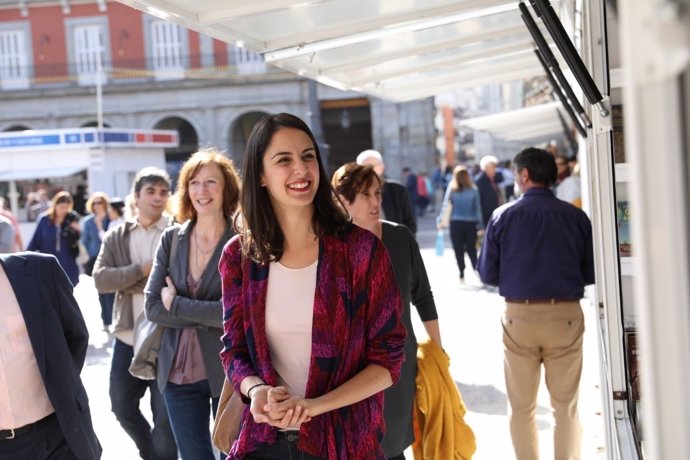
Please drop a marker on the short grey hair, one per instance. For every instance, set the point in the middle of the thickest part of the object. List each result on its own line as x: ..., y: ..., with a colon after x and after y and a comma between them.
x: 364, y: 156
x: 486, y: 161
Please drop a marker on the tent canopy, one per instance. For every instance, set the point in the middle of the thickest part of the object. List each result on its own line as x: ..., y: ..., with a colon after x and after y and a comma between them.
x: 42, y: 173
x: 516, y: 125
x: 398, y: 50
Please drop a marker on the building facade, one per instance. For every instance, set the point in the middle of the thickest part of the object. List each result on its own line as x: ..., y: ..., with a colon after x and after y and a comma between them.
x: 70, y: 64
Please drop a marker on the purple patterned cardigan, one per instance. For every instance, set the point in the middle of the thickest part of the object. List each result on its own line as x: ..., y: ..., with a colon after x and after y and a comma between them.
x: 357, y: 308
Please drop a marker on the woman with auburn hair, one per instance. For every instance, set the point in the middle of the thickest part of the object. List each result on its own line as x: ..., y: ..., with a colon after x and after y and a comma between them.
x: 184, y: 295
x: 359, y: 189
x: 465, y: 217
x: 57, y: 233
x: 311, y: 309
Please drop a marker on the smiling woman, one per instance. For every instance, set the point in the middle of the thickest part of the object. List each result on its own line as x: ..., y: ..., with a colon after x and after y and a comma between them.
x: 183, y: 294
x: 301, y: 285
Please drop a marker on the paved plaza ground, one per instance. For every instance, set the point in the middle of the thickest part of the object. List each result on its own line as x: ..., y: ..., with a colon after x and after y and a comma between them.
x: 470, y: 326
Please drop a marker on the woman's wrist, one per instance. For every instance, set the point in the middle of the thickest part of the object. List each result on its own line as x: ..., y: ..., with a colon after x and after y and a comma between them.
x: 254, y: 388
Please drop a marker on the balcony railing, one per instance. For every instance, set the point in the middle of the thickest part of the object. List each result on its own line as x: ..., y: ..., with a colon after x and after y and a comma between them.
x: 124, y: 71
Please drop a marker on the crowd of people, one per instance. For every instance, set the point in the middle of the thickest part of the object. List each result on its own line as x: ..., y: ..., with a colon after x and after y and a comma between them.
x: 292, y: 287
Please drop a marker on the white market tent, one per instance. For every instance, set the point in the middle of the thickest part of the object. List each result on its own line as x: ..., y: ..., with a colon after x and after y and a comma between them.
x: 403, y: 50
x: 397, y: 50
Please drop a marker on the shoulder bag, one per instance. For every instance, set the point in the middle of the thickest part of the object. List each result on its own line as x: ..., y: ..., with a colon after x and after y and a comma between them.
x: 148, y: 337
x: 226, y: 427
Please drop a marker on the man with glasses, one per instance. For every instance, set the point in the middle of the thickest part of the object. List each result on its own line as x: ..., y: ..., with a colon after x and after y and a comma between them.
x: 538, y: 251
x: 123, y: 266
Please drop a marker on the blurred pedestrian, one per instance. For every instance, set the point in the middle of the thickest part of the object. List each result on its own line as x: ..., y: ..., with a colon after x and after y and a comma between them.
x: 6, y: 235
x: 567, y: 186
x: 311, y: 309
x: 57, y: 233
x: 184, y: 295
x: 81, y: 199
x: 116, y: 212
x: 465, y: 217
x: 538, y: 251
x: 359, y: 189
x: 4, y: 211
x: 123, y: 266
x: 490, y: 193
x: 94, y: 227
x: 43, y: 342
x: 397, y: 204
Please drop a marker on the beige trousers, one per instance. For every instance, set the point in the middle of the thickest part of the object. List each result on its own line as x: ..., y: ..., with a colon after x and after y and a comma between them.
x: 548, y: 334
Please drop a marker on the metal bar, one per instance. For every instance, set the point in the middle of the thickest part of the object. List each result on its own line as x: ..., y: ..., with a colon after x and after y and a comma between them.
x: 547, y: 14
x: 564, y: 100
x: 552, y: 63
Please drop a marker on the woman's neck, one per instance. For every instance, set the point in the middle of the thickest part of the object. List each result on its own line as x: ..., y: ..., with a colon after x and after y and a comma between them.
x: 210, y: 225
x: 300, y: 244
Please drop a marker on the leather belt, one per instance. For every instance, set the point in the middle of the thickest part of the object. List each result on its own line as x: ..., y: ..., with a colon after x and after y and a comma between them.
x: 290, y: 435
x: 551, y: 301
x: 15, y: 432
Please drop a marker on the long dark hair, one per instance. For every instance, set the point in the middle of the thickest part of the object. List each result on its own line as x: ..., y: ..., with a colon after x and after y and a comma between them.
x: 262, y: 237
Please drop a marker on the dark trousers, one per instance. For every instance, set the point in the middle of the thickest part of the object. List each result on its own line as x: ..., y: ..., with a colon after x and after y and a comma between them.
x: 44, y: 441
x: 189, y: 407
x: 463, y: 235
x: 107, y: 301
x: 126, y: 392
x: 284, y: 449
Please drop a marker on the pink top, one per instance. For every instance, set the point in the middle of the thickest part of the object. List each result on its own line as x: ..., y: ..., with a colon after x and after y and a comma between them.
x: 23, y: 398
x: 188, y: 366
x: 289, y: 315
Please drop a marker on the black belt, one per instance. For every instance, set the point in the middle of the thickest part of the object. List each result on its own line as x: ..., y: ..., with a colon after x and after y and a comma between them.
x: 15, y: 432
x: 289, y: 436
x: 551, y: 301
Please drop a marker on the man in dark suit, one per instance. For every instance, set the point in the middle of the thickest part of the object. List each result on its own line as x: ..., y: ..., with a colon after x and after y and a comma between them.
x: 490, y: 194
x: 44, y: 409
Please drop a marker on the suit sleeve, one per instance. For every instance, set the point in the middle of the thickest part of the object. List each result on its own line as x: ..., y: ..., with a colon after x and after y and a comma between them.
x: 73, y: 325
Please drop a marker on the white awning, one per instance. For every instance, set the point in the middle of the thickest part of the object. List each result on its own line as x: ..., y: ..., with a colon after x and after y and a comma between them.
x: 39, y: 173
x: 395, y: 49
x: 522, y: 124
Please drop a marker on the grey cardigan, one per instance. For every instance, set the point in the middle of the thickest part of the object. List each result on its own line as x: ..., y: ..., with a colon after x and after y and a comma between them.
x: 205, y: 312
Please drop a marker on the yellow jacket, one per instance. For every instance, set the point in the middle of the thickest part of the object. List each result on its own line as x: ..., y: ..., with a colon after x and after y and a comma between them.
x: 440, y: 430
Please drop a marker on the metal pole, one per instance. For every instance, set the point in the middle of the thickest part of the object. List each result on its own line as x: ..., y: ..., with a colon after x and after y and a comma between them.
x: 316, y: 124
x: 99, y: 91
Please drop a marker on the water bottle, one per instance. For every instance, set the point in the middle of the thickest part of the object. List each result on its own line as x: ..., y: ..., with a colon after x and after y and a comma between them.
x: 440, y: 243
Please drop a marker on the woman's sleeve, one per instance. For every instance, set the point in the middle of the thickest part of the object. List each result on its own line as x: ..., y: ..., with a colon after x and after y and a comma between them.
x: 235, y: 354
x: 385, y: 332
x: 155, y: 311
x: 36, y: 242
x: 421, y: 295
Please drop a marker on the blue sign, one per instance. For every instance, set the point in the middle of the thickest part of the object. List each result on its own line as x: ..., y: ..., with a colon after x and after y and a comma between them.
x: 26, y: 141
x: 73, y: 138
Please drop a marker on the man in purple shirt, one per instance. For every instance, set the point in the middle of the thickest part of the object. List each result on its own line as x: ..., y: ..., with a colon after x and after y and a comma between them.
x: 538, y: 251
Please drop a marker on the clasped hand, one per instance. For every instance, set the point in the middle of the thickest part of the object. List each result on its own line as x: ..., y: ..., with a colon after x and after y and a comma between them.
x: 275, y: 406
